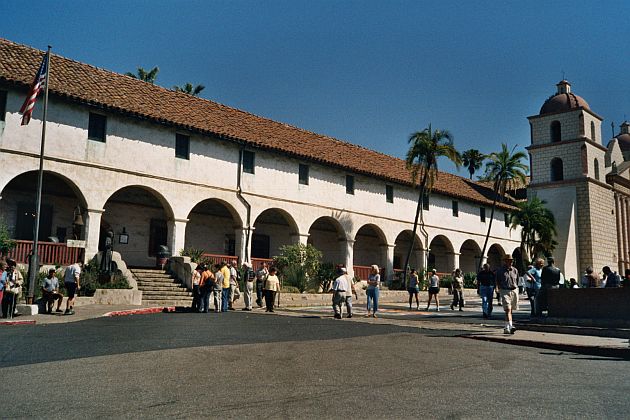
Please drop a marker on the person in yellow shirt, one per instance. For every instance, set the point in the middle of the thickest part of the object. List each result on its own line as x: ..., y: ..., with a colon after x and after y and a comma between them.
x: 225, y: 291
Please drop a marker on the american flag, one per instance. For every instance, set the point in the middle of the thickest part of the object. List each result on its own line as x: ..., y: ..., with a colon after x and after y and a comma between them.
x: 36, y: 87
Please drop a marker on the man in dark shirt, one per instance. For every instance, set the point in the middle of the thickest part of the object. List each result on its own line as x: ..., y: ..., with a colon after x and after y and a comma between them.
x: 485, y: 288
x: 507, y: 283
x: 550, y: 279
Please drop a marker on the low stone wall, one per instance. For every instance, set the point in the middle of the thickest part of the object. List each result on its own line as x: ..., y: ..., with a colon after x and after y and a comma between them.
x: 111, y: 297
x: 182, y: 268
x: 592, y: 303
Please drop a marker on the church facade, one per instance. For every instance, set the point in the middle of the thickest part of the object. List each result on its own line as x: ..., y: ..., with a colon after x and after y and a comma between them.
x: 585, y: 184
x: 158, y: 167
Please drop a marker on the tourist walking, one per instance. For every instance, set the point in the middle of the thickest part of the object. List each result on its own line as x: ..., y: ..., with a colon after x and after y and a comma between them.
x: 339, y: 290
x: 507, y: 283
x: 485, y: 288
x: 71, y: 281
x: 374, y: 284
x: 458, y: 290
x: 413, y: 288
x: 272, y: 286
x: 535, y: 276
x: 434, y: 290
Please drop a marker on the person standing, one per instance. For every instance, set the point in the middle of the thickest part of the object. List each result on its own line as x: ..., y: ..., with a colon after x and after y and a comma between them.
x: 549, y: 279
x: 612, y: 278
x: 234, y: 278
x: 249, y: 275
x: 205, y: 286
x: 272, y: 286
x: 196, y: 277
x: 374, y: 284
x: 13, y: 289
x: 507, y: 283
x: 413, y: 288
x: 50, y: 292
x: 626, y: 278
x: 434, y: 290
x: 349, y: 293
x: 485, y: 288
x: 535, y: 275
x: 339, y: 291
x: 225, y: 287
x: 71, y: 280
x: 3, y: 280
x: 458, y: 290
x: 261, y: 277
x: 217, y: 287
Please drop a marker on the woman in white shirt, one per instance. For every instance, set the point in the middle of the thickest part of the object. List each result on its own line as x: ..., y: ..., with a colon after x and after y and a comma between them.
x: 272, y: 286
x: 434, y: 290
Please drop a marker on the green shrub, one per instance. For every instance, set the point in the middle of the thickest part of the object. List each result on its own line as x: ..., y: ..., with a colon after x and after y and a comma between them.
x: 470, y: 280
x: 298, y: 265
x: 195, y: 254
x: 325, y: 276
x: 90, y: 280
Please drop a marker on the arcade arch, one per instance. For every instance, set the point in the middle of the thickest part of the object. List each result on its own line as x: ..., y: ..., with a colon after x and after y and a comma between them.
x: 273, y: 229
x: 401, y: 248
x: 441, y: 254
x: 370, y: 246
x: 469, y: 255
x: 327, y: 235
x: 213, y: 225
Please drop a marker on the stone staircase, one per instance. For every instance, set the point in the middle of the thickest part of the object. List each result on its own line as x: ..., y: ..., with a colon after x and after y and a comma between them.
x: 160, y: 289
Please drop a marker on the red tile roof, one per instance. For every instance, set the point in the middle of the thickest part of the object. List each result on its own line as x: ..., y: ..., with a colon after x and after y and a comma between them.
x: 93, y: 86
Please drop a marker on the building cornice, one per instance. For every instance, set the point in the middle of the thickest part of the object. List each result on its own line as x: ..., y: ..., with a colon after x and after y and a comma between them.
x: 559, y: 143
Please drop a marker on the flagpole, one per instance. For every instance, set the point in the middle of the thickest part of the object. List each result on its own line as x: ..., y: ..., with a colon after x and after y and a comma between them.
x: 33, y: 264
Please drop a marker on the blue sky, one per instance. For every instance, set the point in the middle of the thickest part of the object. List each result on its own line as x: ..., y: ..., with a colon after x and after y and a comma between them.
x: 366, y: 72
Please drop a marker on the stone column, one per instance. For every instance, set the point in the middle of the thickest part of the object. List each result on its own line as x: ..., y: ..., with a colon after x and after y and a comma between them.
x: 92, y: 232
x: 176, y: 235
x: 389, y: 259
x: 349, y: 257
x: 624, y: 224
x: 455, y: 260
x: 421, y: 258
x: 300, y: 238
x: 621, y: 260
x: 243, y: 243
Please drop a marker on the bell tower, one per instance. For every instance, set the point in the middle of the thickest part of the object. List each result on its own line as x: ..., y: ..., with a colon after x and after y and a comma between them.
x: 568, y: 171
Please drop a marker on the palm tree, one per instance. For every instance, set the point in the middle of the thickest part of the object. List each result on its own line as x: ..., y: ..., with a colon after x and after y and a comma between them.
x: 506, y: 171
x: 426, y: 147
x: 145, y: 76
x: 472, y: 159
x: 189, y: 89
x: 538, y: 228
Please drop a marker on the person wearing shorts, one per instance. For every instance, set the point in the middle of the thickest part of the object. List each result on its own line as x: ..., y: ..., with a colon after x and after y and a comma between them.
x: 507, y: 284
x: 413, y: 288
x: 434, y: 290
x: 71, y: 281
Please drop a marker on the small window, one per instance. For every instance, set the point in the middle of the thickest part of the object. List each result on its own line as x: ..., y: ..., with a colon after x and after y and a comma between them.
x: 349, y: 184
x: 556, y: 132
x: 482, y: 214
x: 455, y: 208
x: 425, y: 202
x: 303, y: 174
x: 248, y: 161
x: 97, y: 127
x: 596, y: 169
x: 389, y: 193
x: 506, y: 219
x: 557, y: 169
x: 182, y: 146
x: 3, y: 104
x: 593, y: 131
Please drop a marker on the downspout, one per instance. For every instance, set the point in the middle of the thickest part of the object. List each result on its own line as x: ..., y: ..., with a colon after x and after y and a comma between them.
x: 248, y: 206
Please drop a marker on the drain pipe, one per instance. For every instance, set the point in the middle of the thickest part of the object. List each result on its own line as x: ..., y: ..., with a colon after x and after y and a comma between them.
x: 248, y: 206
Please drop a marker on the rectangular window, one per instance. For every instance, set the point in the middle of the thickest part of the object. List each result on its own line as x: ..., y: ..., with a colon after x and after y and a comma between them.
x: 97, y: 127
x: 303, y: 174
x: 248, y: 161
x: 506, y: 217
x: 349, y: 184
x: 3, y: 104
x: 389, y: 193
x: 425, y: 202
x: 182, y: 146
x: 482, y: 214
x: 455, y: 208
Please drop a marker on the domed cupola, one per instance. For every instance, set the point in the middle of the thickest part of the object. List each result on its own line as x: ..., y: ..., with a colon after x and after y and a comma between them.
x: 623, y: 138
x: 563, y: 101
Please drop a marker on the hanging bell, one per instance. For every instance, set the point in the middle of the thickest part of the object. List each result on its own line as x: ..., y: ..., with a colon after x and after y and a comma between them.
x: 78, y: 219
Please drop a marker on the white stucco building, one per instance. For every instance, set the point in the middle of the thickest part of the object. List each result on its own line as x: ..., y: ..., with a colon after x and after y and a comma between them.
x: 162, y: 167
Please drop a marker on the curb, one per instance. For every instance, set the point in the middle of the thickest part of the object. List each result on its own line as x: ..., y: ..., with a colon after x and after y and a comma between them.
x: 25, y: 322
x: 622, y: 353
x: 142, y: 311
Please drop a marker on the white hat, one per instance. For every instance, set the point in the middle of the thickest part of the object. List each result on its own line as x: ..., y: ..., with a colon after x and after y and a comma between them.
x: 343, y: 269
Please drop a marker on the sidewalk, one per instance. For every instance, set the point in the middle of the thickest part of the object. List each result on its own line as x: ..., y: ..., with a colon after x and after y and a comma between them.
x: 83, y: 313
